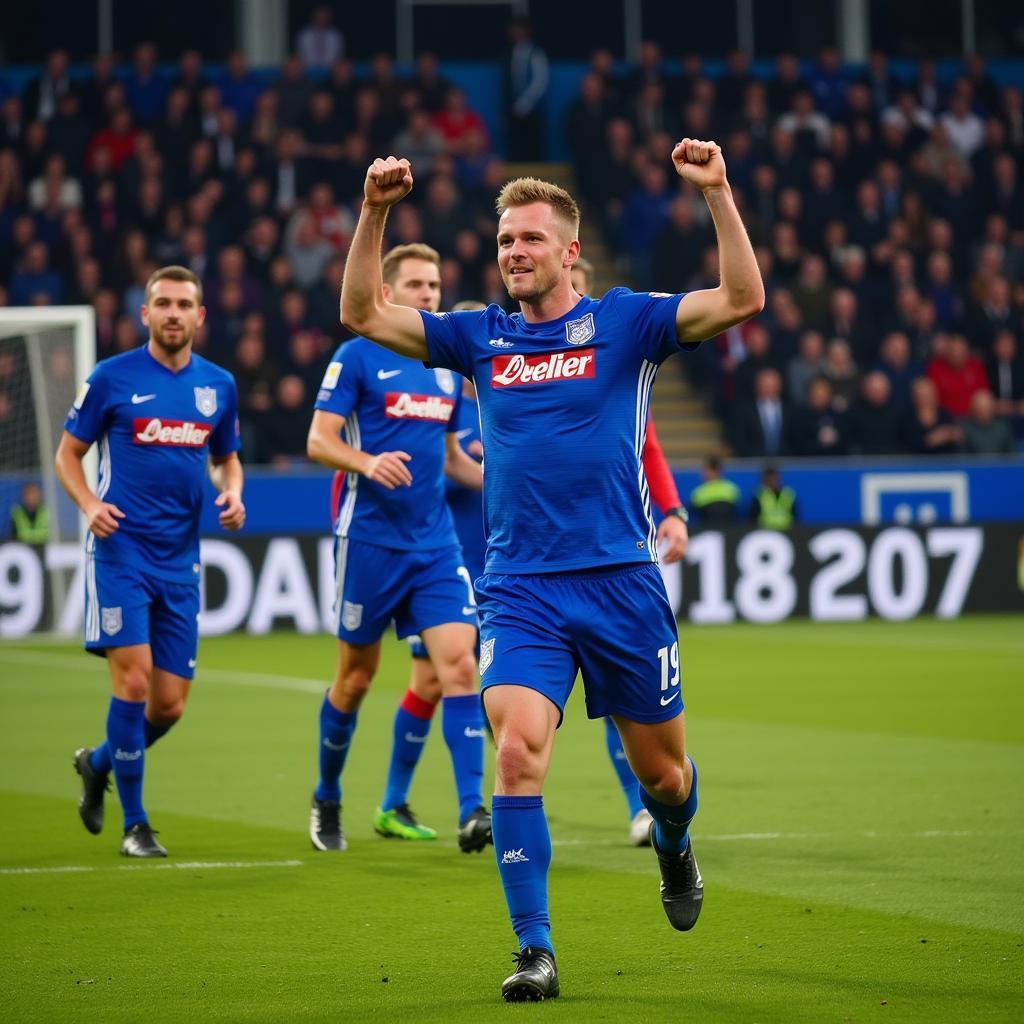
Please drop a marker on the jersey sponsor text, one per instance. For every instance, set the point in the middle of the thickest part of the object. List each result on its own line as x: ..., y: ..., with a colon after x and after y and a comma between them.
x: 401, y: 405
x: 178, y: 433
x: 521, y: 369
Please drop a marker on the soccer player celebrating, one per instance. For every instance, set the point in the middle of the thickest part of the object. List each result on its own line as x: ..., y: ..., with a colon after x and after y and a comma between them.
x: 571, y: 577
x: 159, y: 414
x: 391, y: 425
x: 671, y: 543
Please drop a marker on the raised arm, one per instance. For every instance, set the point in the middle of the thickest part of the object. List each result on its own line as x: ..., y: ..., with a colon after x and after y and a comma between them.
x: 364, y: 310
x: 740, y: 295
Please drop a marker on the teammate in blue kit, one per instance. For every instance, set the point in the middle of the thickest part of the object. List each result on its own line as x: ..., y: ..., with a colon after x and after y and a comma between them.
x: 159, y: 414
x: 571, y: 579
x: 391, y: 425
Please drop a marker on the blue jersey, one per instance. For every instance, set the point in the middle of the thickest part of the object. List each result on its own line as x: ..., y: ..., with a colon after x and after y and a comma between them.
x: 391, y: 403
x: 563, y: 408
x: 467, y: 504
x: 155, y: 429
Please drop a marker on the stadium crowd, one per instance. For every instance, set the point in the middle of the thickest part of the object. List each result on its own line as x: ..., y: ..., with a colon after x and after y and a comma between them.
x: 887, y: 215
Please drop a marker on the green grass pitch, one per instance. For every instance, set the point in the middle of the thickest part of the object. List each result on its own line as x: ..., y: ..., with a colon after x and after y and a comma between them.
x: 860, y: 832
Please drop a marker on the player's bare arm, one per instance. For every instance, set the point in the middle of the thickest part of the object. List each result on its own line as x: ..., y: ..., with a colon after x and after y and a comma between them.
x: 464, y: 470
x: 102, y: 515
x: 324, y: 445
x: 740, y: 295
x: 364, y: 310
x: 228, y: 477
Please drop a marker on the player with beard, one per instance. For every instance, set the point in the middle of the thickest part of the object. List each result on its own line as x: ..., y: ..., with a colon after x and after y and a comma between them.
x: 159, y: 414
x: 571, y: 580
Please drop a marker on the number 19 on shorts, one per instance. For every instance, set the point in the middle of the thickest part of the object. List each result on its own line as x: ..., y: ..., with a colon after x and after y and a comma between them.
x: 668, y: 658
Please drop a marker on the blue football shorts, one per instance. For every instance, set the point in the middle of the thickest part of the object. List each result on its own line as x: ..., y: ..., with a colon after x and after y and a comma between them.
x: 418, y: 589
x: 615, y: 627
x: 125, y: 605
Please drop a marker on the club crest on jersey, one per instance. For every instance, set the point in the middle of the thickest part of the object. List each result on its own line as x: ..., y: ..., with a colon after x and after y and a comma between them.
x: 206, y: 400
x: 579, y: 331
x: 351, y: 615
x: 111, y: 620
x: 486, y: 655
x: 445, y: 381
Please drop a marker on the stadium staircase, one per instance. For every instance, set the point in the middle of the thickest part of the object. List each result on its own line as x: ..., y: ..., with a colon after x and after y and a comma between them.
x: 687, y: 428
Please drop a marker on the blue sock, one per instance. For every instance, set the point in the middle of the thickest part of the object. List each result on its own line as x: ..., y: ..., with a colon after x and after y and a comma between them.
x: 99, y: 759
x: 336, y: 728
x: 126, y: 736
x: 412, y: 726
x: 523, y: 849
x: 672, y: 822
x: 627, y: 780
x: 462, y: 720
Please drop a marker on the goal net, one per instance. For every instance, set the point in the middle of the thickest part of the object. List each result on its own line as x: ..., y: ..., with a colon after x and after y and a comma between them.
x: 45, y: 355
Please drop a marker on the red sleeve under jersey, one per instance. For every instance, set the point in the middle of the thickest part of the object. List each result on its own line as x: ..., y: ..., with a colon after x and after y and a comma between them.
x: 337, y: 483
x: 659, y: 476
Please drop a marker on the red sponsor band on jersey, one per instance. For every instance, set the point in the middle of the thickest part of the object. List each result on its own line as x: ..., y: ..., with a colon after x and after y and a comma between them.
x: 176, y: 433
x: 518, y: 369
x: 400, y: 405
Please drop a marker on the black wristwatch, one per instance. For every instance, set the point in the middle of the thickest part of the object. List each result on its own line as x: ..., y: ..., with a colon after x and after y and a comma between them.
x: 679, y: 512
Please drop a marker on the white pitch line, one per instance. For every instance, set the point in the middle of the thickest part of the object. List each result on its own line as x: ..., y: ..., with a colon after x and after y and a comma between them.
x: 213, y: 675
x: 754, y: 837
x: 204, y: 865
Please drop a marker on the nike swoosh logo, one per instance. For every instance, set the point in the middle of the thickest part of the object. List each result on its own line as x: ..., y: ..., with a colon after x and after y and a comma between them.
x: 668, y: 700
x: 387, y: 374
x: 468, y: 609
x: 334, y: 746
x: 191, y: 662
x: 139, y: 399
x: 460, y: 434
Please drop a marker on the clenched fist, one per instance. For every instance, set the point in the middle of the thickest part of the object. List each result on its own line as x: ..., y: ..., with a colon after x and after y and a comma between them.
x: 699, y: 163
x: 387, y: 181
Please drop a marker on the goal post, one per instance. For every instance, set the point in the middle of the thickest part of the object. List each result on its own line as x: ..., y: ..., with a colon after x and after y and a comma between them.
x: 46, y: 354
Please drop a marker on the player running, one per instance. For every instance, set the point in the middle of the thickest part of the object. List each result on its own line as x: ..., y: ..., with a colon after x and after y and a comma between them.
x: 671, y: 542
x: 571, y: 577
x: 397, y: 557
x: 159, y: 414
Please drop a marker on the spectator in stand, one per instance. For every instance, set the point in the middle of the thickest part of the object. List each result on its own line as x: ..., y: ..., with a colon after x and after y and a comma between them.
x: 1006, y: 375
x: 895, y: 360
x: 420, y: 142
x: 456, y: 119
x: 817, y: 428
x: 145, y: 89
x: 644, y: 213
x: 957, y: 375
x: 320, y: 44
x: 802, y: 368
x: 715, y: 501
x: 841, y: 373
x: 526, y: 84
x: 239, y: 88
x: 993, y: 314
x: 256, y: 376
x: 762, y: 427
x: 287, y: 423
x: 428, y: 83
x: 118, y: 140
x: 43, y: 95
x: 873, y: 423
x: 757, y: 356
x: 927, y: 428
x: 985, y: 433
x: 35, y: 278
x: 964, y: 129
